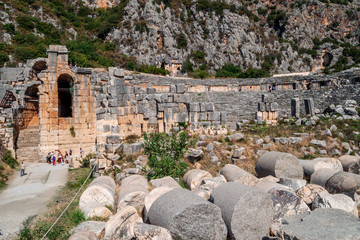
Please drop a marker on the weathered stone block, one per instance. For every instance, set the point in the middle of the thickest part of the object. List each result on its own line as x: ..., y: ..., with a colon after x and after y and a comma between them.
x: 106, y: 128
x: 309, y: 106
x: 180, y: 88
x: 113, y: 139
x: 214, y: 116
x: 261, y: 106
x: 194, y: 107
x: 209, y: 107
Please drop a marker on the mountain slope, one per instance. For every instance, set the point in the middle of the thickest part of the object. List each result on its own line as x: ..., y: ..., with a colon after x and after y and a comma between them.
x: 195, y: 36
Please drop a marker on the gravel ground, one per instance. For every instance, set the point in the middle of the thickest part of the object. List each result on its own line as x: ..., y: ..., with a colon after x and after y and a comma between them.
x: 28, y: 195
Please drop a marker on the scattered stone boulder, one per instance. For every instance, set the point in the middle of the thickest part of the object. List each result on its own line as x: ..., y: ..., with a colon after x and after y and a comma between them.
x: 321, y: 176
x: 292, y: 183
x: 247, y: 212
x: 286, y: 202
x: 187, y: 216
x: 143, y: 231
x: 235, y: 137
x: 133, y: 191
x: 323, y: 223
x: 83, y: 235
x: 210, y: 147
x: 121, y: 225
x: 279, y: 164
x: 319, y: 143
x: 94, y: 209
x: 194, y: 155
x: 194, y: 177
x: 209, y: 184
x: 350, y: 163
x: 310, y: 166
x: 343, y: 182
x: 233, y: 173
x: 101, y: 190
x: 202, y: 193
x: 338, y: 201
x: 93, y: 226
x: 152, y: 196
x: 165, y: 182
x: 309, y: 192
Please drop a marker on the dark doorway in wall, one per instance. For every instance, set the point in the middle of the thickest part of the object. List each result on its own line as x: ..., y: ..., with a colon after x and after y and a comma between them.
x: 65, y: 91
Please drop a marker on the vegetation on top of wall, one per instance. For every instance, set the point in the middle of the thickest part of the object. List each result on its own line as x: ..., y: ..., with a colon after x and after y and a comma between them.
x: 7, y: 163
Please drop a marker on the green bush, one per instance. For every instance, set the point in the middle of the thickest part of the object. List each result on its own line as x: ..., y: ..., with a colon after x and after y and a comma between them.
x: 25, y: 53
x: 187, y: 66
x: 165, y: 151
x: 25, y: 22
x: 85, y: 162
x: 3, y: 58
x: 9, y: 159
x: 9, y: 28
x: 181, y: 41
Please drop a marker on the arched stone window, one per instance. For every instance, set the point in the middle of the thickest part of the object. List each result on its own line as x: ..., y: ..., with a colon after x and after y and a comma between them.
x: 65, y: 91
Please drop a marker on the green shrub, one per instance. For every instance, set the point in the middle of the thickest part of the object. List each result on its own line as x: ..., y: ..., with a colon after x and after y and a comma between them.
x: 9, y: 159
x: 25, y: 22
x: 25, y: 53
x: 3, y: 58
x: 181, y: 41
x: 187, y: 66
x: 9, y: 28
x: 165, y: 151
x: 85, y: 162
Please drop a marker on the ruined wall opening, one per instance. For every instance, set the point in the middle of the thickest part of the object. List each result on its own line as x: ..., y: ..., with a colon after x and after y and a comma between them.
x: 65, y: 90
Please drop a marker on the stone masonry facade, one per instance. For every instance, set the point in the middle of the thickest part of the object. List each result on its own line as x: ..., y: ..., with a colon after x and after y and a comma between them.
x: 95, y: 109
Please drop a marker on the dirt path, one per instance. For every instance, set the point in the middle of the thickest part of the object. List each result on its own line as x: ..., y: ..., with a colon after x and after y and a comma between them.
x: 28, y: 195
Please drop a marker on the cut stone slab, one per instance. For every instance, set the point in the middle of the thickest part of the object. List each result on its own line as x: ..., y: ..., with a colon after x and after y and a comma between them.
x: 143, y: 231
x: 93, y: 226
x: 165, y: 182
x: 83, y: 235
x: 280, y: 165
x: 121, y: 225
x: 247, y: 212
x: 338, y: 201
x: 233, y: 173
x: 235, y: 137
x: 322, y: 223
x: 309, y: 192
x: 209, y: 184
x: 310, y: 166
x: 194, y: 177
x: 188, y: 216
x: 350, y: 163
x: 151, y: 198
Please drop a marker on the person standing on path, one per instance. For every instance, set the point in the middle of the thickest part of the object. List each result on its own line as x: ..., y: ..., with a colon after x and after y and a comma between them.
x: 22, y: 169
x: 53, y: 159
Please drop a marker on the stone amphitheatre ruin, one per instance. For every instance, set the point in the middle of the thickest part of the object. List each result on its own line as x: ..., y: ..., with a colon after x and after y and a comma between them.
x: 46, y: 105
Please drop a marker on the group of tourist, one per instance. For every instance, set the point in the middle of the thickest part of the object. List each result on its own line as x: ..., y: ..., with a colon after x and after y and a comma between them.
x: 57, y: 157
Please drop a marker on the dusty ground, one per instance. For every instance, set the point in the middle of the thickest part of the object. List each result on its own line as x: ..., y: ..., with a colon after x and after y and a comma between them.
x: 29, y: 195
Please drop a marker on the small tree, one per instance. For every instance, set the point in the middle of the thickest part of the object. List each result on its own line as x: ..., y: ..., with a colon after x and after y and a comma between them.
x: 165, y: 152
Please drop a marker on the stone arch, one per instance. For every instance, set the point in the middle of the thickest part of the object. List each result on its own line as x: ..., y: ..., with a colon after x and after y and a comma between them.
x: 65, y: 92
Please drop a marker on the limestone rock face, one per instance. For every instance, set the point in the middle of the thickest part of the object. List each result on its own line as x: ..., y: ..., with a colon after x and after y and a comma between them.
x: 324, y: 223
x: 309, y: 192
x: 338, y: 201
x: 187, y: 216
x: 121, y: 225
x: 247, y: 212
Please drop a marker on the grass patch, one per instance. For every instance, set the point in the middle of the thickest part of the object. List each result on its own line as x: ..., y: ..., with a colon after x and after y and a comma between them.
x: 36, y: 227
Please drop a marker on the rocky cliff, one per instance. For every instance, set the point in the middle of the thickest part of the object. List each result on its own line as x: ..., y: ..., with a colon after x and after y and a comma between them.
x: 275, y: 36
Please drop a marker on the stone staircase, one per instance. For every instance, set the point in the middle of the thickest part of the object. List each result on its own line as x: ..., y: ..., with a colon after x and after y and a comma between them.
x: 27, y: 145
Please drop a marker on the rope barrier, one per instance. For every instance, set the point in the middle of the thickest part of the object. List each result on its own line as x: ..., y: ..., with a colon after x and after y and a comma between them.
x: 69, y: 203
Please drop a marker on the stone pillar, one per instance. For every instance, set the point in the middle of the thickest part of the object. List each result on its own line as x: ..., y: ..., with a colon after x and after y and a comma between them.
x: 309, y: 106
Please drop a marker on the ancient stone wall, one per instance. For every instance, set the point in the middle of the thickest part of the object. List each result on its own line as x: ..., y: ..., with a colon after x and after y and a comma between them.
x: 95, y: 109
